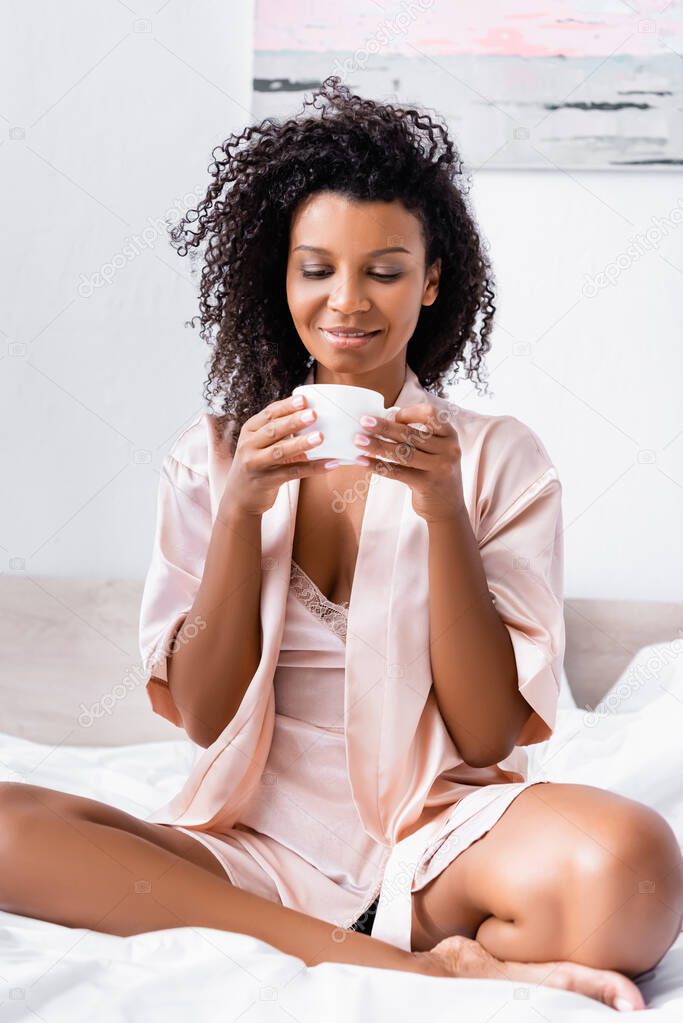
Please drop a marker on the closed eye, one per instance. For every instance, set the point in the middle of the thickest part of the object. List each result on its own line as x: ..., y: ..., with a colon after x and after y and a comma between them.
x: 324, y: 273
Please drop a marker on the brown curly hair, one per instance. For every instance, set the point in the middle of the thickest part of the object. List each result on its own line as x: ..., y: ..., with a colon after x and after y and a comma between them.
x: 363, y: 150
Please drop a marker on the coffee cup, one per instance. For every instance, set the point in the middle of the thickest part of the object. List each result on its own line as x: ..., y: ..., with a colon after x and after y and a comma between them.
x: 338, y: 410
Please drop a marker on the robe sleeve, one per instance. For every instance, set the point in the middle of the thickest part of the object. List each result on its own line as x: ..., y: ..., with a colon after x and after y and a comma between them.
x: 181, y: 540
x: 523, y: 557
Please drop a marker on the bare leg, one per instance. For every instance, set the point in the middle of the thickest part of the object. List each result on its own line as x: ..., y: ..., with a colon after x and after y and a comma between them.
x: 569, y: 872
x: 81, y: 863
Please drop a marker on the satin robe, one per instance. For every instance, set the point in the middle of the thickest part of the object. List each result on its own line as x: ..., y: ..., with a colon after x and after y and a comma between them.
x: 405, y: 772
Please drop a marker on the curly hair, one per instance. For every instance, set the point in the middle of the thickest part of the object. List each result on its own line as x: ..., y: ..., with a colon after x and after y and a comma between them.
x: 363, y: 150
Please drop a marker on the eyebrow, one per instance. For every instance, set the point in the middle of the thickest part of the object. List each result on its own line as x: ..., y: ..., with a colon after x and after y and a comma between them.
x: 376, y: 252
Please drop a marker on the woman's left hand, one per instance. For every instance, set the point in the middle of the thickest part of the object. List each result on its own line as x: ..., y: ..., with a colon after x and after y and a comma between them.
x: 427, y: 459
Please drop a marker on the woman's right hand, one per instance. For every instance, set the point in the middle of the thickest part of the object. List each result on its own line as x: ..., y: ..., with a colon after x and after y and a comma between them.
x: 267, y: 455
x: 465, y: 957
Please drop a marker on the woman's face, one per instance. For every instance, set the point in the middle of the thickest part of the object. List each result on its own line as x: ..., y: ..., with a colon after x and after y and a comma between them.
x: 339, y: 274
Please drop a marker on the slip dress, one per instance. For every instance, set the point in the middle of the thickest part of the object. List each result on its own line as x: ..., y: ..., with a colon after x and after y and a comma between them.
x: 300, y: 840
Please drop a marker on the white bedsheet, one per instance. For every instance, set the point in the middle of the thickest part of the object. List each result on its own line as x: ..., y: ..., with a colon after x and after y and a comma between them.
x: 632, y: 746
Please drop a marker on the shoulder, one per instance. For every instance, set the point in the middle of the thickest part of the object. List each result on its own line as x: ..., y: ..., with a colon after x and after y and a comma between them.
x: 205, y: 441
x: 504, y: 461
x: 496, y: 436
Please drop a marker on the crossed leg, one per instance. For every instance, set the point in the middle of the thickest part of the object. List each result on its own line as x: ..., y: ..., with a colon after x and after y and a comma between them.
x: 80, y: 862
x: 568, y: 872
x: 601, y: 885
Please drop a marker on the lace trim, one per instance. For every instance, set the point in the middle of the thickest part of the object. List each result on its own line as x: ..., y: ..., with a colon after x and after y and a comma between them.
x: 333, y: 615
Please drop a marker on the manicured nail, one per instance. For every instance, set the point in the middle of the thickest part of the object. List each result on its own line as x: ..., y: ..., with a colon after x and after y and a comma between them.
x: 314, y: 437
x: 333, y: 464
x: 360, y: 438
x: 623, y: 1005
x: 368, y: 421
x: 298, y: 401
x: 362, y: 461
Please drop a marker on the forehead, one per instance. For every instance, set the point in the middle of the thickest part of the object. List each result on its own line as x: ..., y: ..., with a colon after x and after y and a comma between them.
x: 333, y: 222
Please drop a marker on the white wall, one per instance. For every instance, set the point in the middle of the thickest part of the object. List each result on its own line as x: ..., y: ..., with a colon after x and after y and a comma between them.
x: 595, y: 368
x: 119, y: 126
x: 119, y: 111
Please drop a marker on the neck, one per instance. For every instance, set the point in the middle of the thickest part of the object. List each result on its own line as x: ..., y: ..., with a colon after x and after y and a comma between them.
x: 388, y: 379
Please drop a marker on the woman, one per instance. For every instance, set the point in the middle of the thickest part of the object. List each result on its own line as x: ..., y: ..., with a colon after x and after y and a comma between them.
x: 360, y: 653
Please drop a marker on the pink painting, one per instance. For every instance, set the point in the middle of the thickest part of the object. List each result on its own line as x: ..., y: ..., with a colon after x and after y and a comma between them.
x: 581, y: 85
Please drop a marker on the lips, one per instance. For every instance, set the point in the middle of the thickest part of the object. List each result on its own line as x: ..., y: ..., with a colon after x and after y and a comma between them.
x: 347, y: 330
x: 347, y: 340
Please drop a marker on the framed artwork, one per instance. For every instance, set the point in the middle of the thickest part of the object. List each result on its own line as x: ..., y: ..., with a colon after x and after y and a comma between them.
x: 588, y: 85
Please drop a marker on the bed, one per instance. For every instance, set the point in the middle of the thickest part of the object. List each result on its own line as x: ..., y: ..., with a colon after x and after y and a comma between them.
x: 75, y: 717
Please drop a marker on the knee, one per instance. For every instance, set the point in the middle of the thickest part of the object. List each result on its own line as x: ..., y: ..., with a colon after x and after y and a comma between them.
x: 628, y: 880
x: 14, y: 798
x: 17, y: 801
x: 15, y: 816
x: 18, y: 795
x: 21, y: 806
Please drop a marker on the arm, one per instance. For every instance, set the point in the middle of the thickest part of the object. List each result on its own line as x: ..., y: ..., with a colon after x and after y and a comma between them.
x: 225, y: 654
x: 472, y: 657
x: 495, y: 670
x: 200, y: 623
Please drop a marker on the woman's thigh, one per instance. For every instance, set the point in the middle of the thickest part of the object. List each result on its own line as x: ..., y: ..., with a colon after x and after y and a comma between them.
x: 19, y: 797
x: 553, y: 843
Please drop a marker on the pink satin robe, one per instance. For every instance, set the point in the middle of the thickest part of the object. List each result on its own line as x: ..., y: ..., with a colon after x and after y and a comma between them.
x: 405, y: 773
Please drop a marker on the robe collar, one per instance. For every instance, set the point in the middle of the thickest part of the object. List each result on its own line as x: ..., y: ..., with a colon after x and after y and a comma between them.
x: 394, y: 750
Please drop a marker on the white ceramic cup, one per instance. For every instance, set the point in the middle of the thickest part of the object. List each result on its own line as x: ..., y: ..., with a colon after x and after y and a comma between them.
x: 339, y: 408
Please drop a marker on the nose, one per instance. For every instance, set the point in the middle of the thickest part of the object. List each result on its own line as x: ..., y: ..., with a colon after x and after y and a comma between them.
x: 348, y: 296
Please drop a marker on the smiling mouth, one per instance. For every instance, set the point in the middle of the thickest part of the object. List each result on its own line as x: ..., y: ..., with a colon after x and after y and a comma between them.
x: 354, y: 340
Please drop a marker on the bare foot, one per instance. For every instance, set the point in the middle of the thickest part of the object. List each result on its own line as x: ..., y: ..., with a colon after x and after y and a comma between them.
x: 463, y: 957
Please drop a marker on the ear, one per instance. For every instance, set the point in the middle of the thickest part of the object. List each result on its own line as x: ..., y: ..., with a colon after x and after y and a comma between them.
x: 431, y: 289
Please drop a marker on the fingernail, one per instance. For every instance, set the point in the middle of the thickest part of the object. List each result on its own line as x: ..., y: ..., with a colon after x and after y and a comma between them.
x: 298, y: 401
x: 333, y: 464
x: 362, y: 461
x: 623, y: 1005
x: 368, y: 421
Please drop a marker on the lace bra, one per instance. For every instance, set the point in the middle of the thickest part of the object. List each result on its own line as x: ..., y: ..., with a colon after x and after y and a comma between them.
x: 333, y: 615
